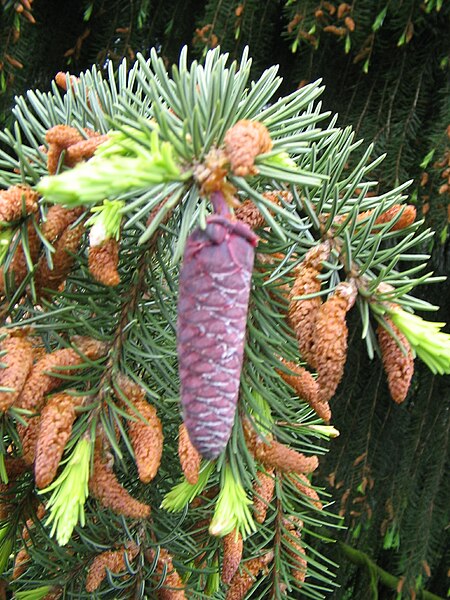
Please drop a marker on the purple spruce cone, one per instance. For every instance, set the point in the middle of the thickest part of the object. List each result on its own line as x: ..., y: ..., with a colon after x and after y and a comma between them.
x: 212, y: 312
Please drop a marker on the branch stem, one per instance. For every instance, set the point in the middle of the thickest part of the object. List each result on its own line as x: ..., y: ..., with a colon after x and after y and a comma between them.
x: 391, y: 581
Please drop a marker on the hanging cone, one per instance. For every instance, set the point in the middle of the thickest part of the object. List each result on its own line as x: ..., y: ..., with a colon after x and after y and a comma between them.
x: 263, y: 490
x: 233, y: 546
x: 330, y: 339
x: 212, y: 312
x: 113, y: 560
x: 302, y: 314
x: 399, y: 366
x: 190, y: 459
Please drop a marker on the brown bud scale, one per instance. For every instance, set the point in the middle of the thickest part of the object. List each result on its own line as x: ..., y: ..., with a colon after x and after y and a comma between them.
x: 274, y: 455
x: 303, y: 485
x: 249, y: 213
x: 18, y: 268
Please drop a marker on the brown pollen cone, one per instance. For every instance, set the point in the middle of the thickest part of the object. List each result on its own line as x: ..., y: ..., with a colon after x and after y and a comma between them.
x: 399, y: 367
x: 18, y: 360
x: 173, y: 586
x: 303, y: 485
x: 20, y: 562
x: 18, y: 268
x: 105, y: 486
x: 233, y: 546
x: 297, y: 554
x: 243, y: 142
x: 302, y: 314
x: 17, y: 202
x: 263, y: 490
x: 83, y: 150
x: 407, y: 217
x: 103, y: 262
x: 274, y: 455
x: 330, y: 339
x: 147, y: 440
x: 248, y: 212
x: 61, y: 137
x: 61, y: 81
x: 190, y: 459
x: 113, y: 560
x: 58, y: 219
x: 63, y: 260
x: 145, y: 432
x: 307, y: 388
x: 55, y: 427
x: 242, y: 582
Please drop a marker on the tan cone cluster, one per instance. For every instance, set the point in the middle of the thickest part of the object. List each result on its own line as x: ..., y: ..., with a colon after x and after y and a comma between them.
x: 105, y: 487
x: 17, y: 202
x: 233, y: 546
x: 113, y: 560
x: 103, y: 261
x: 144, y: 429
x: 398, y: 365
x: 243, y: 142
x: 263, y: 490
x: 244, y: 579
x: 43, y: 378
x: 55, y: 228
x: 190, y: 459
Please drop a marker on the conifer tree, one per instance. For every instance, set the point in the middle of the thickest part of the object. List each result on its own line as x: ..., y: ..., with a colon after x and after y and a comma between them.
x: 146, y: 170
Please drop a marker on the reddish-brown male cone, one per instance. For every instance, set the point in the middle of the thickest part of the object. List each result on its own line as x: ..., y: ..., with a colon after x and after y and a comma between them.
x: 212, y: 313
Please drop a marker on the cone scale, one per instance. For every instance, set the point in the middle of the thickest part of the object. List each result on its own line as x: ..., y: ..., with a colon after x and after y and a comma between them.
x: 214, y: 291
